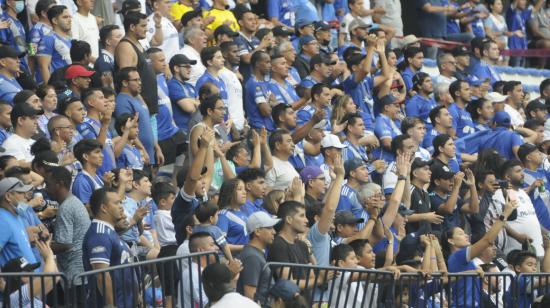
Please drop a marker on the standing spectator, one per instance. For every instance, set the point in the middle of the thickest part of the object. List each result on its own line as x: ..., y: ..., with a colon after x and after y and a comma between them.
x: 54, y: 50
x: 232, y: 220
x: 9, y: 71
x: 283, y: 173
x: 483, y: 69
x: 180, y: 7
x: 195, y: 42
x: 259, y: 99
x: 130, y: 53
x: 260, y: 227
x: 218, y: 280
x: 282, y: 13
x: 181, y: 92
x: 232, y: 79
x: 24, y: 120
x: 84, y: 26
x: 161, y: 32
x: 102, y: 248
x: 391, y: 16
x: 432, y: 19
x: 518, y: 15
x: 88, y: 153
x: 416, y: 128
x: 495, y: 25
x: 221, y: 15
x: 462, y: 57
x: 462, y: 120
x: 482, y: 112
x: 14, y: 240
x: 38, y: 31
x: 320, y: 69
x: 308, y: 47
x: 14, y: 36
x: 71, y: 223
x: 212, y: 59
x: 513, y: 104
x: 413, y: 59
x: 254, y: 182
x: 282, y: 88
x: 355, y: 131
x: 422, y: 103
x: 357, y: 175
x: 539, y: 25
x: 387, y: 125
x: 48, y: 99
x: 442, y: 122
x: 320, y: 100
x: 420, y: 200
x: 78, y: 79
x: 109, y: 37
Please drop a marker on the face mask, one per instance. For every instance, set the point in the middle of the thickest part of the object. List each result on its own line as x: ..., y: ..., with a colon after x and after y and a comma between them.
x: 19, y: 6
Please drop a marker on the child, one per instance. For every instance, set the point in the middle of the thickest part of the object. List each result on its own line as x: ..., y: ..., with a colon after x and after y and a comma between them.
x: 526, y: 263
x: 344, y: 256
x: 207, y: 215
x: 126, y: 153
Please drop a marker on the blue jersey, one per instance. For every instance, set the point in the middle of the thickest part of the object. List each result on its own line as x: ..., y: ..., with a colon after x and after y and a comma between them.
x: 165, y: 123
x: 217, y: 81
x: 35, y: 36
x: 256, y: 93
x: 309, y: 82
x: 305, y: 11
x: 4, y: 134
x: 246, y: 46
x: 449, y: 221
x: 105, y: 63
x: 305, y: 114
x: 420, y: 107
x: 483, y: 70
x: 178, y: 90
x: 462, y: 120
x: 89, y: 129
x: 84, y: 185
x: 128, y: 104
x: 102, y: 245
x: 57, y: 48
x: 354, y: 152
x: 250, y: 207
x: 184, y: 206
x: 469, y: 287
x: 384, y: 127
x: 480, y: 127
x: 517, y: 19
x: 503, y: 140
x: 408, y: 75
x: 130, y: 158
x: 361, y: 93
x: 130, y: 207
x: 283, y: 10
x: 233, y: 224
x: 14, y: 241
x: 8, y: 88
x: 349, y: 201
x: 15, y: 37
x: 285, y: 94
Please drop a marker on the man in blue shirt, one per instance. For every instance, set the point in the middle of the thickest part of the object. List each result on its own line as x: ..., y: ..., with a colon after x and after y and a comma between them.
x: 128, y: 101
x: 247, y: 42
x: 356, y: 174
x: 281, y: 12
x: 502, y: 138
x: 14, y: 240
x: 54, y: 50
x: 259, y: 99
x: 39, y: 30
x: 489, y: 57
x: 9, y: 70
x: 414, y: 59
x: 283, y: 90
x: 109, y: 37
x: 462, y: 120
x: 102, y: 248
x: 320, y: 99
x: 182, y: 93
x: 212, y: 58
x: 320, y: 70
x: 254, y: 182
x: 387, y: 127
x: 432, y: 20
x: 14, y: 36
x: 422, y: 103
x: 442, y: 124
x: 89, y: 153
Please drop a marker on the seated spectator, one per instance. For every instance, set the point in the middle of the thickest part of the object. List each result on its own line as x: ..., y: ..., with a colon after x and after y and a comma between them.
x: 24, y: 120
x: 9, y: 71
x: 483, y: 69
x: 88, y: 153
x: 232, y: 220
x: 421, y: 104
x: 446, y: 65
x: 218, y: 280
x: 130, y: 156
x: 482, y: 112
x: 413, y: 59
x: 282, y: 173
x: 258, y: 98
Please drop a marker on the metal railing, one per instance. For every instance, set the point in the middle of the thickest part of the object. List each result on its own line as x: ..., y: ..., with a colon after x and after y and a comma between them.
x: 30, y: 289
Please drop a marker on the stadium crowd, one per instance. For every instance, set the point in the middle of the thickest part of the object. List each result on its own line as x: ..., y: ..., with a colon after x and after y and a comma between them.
x: 293, y: 131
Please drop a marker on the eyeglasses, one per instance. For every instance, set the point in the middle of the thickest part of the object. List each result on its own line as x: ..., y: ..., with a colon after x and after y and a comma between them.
x: 220, y: 108
x: 68, y: 127
x: 135, y: 79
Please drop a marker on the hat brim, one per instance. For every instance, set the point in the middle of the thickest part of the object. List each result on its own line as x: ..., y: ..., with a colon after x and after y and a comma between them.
x: 22, y: 189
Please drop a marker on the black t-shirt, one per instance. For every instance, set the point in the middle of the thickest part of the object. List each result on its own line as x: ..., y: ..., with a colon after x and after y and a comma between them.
x: 283, y: 251
x: 420, y: 203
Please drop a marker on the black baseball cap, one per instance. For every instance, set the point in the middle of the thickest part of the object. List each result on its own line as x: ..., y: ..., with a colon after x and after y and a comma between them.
x: 225, y: 29
x: 187, y: 17
x: 24, y: 110
x: 129, y: 5
x: 10, y: 52
x: 321, y: 26
x: 281, y: 31
x: 180, y: 59
x: 388, y: 100
x: 441, y: 171
x: 352, y: 164
x: 420, y: 163
x: 346, y: 218
x: 318, y: 59
x: 18, y: 265
x: 460, y: 51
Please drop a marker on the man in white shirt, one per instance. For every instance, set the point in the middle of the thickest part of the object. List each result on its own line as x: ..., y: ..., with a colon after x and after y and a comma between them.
x: 232, y: 79
x: 514, y: 102
x: 446, y: 64
x: 84, y: 26
x: 195, y: 41
x: 283, y: 173
x: 168, y: 40
x: 24, y: 119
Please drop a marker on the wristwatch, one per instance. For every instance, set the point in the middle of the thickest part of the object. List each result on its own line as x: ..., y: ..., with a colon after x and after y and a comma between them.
x: 501, y: 218
x: 401, y: 178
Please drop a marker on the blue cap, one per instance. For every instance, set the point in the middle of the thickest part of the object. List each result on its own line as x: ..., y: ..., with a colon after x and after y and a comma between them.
x: 284, y: 289
x: 502, y: 118
x: 304, y: 22
x: 309, y: 173
x: 474, y: 81
x: 388, y: 100
x: 306, y: 39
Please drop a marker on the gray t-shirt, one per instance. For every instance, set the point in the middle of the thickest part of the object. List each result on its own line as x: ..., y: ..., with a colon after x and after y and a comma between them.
x: 253, y: 261
x: 70, y: 227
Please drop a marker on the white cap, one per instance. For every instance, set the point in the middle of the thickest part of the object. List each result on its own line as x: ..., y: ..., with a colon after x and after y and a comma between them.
x: 495, y: 97
x: 260, y: 220
x: 332, y: 141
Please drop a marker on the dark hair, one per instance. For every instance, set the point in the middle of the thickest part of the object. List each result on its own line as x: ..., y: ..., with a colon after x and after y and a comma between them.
x: 474, y: 105
x: 251, y: 174
x: 482, y: 175
x: 85, y: 146
x: 42, y: 6
x: 152, y: 51
x: 131, y: 19
x: 208, y: 102
x: 80, y: 50
x: 485, y: 45
x: 99, y: 197
x: 84, y: 97
x: 439, y: 141
x: 522, y: 256
x: 313, y: 210
x: 55, y: 11
x: 162, y: 190
x: 16, y: 172
x: 487, y: 267
x: 120, y: 122
x: 188, y: 220
x: 124, y: 75
x: 512, y: 255
x: 358, y: 246
x: 60, y: 175
x: 256, y: 57
x: 398, y: 142
x: 138, y: 175
x: 544, y: 84
x: 507, y: 165
x: 228, y: 191
x: 234, y: 151
x: 533, y: 123
x: 206, y: 90
x: 64, y: 104
x: 44, y: 157
x: 510, y: 85
x: 224, y: 47
x: 277, y: 137
x: 454, y: 87
x: 350, y: 51
x: 409, y: 52
x: 498, y: 86
x: 107, y: 92
x: 410, y: 122
x: 421, y: 76
x: 351, y: 118
x: 4, y: 161
x: 354, y: 59
x: 208, y: 53
x: 277, y: 111
x: 105, y: 33
x: 42, y: 90
x: 318, y: 88
x: 488, y: 159
x: 195, y: 238
x: 445, y: 245
x: 206, y: 210
x: 340, y: 253
x: 289, y: 208
x: 434, y: 113
x: 4, y: 104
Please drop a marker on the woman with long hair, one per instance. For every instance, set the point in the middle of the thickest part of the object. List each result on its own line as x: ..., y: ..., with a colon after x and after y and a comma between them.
x: 48, y: 99
x: 231, y: 219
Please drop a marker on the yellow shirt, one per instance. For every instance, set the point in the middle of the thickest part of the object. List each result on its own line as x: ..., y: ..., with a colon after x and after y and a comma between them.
x: 221, y: 16
x: 177, y: 10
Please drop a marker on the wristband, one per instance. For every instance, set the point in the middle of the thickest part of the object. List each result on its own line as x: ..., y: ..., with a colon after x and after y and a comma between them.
x: 401, y: 178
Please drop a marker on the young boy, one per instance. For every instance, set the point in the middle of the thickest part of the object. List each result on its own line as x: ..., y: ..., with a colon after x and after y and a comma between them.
x: 207, y: 215
x: 344, y: 256
x: 128, y: 131
x: 88, y: 153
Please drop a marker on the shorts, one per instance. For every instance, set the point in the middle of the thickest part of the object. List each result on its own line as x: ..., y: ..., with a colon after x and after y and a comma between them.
x: 173, y: 147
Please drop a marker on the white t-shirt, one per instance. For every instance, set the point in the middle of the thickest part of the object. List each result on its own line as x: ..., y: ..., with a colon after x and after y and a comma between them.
x: 526, y: 222
x: 440, y: 79
x: 19, y: 147
x: 196, y: 70
x: 281, y: 175
x: 170, y: 39
x: 234, y: 97
x: 165, y: 228
x: 515, y: 116
x: 85, y: 28
x: 234, y: 299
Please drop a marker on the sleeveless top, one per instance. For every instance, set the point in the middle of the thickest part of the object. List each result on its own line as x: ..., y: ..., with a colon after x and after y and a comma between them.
x: 148, y: 79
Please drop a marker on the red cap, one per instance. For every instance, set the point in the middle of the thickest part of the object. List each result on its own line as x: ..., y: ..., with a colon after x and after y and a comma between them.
x: 76, y: 70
